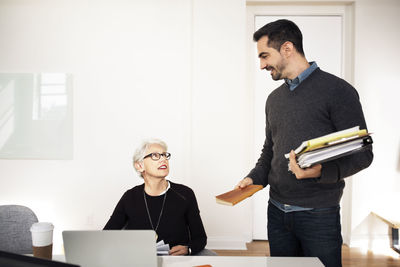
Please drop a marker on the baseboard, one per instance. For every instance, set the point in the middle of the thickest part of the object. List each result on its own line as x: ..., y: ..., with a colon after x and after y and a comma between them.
x: 370, y: 242
x: 346, y: 239
x: 223, y: 242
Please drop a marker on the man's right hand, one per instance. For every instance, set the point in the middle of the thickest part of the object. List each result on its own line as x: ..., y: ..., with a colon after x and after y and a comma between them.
x: 245, y: 182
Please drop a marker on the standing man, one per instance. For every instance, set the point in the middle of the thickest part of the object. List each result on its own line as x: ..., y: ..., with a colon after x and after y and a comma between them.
x: 303, y: 210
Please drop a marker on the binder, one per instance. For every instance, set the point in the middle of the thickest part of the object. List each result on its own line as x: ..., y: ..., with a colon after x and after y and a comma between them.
x: 332, y: 152
x: 332, y: 146
x: 329, y: 139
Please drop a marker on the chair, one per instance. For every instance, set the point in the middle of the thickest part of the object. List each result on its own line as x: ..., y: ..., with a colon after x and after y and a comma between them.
x: 206, y: 252
x: 15, y: 224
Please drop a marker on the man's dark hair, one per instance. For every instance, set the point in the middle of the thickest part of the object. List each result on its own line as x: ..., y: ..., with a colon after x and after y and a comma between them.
x: 279, y: 32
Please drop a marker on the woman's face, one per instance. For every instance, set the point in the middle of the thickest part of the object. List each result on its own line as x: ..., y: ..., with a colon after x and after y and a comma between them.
x: 155, y: 168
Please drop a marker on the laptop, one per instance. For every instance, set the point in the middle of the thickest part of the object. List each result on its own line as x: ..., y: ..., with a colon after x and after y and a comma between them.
x: 119, y: 248
x: 8, y: 259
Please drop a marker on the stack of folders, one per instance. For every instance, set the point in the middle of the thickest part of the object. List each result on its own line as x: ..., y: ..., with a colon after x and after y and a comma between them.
x: 332, y: 146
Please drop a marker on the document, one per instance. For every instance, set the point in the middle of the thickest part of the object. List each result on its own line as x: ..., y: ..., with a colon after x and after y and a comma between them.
x: 331, y: 146
x: 329, y: 139
x: 307, y: 159
x: 162, y: 248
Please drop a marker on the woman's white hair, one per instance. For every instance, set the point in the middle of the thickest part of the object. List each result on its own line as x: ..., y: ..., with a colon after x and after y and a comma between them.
x: 141, y: 150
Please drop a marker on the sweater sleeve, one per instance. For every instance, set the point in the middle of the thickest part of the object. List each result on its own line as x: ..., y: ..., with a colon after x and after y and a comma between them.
x: 118, y: 218
x: 259, y: 173
x: 198, y: 237
x: 346, y: 112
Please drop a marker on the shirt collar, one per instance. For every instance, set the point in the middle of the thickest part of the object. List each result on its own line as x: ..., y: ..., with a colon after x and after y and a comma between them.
x: 168, y: 186
x: 302, y: 76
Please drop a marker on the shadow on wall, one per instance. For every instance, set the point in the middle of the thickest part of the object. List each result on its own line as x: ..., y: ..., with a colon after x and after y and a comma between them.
x: 371, y: 234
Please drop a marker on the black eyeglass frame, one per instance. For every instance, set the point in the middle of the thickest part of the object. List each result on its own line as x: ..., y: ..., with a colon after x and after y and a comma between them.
x: 156, y: 156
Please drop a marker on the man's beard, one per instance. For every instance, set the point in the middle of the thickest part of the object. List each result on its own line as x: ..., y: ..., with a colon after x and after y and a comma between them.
x: 276, y: 76
x: 278, y: 71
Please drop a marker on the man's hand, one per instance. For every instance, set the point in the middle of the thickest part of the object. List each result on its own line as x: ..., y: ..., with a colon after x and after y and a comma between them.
x: 312, y: 172
x: 245, y: 182
x: 179, y: 250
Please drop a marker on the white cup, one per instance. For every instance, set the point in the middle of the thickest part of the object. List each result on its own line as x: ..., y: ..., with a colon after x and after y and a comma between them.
x: 42, y: 239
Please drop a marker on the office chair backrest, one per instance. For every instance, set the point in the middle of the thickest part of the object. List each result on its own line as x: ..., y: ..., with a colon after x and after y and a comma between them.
x: 15, y: 224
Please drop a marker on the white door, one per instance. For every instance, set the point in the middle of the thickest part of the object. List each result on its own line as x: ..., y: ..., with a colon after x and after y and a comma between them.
x: 322, y: 42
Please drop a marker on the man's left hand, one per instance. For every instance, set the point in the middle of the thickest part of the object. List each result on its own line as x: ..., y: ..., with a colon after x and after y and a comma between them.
x: 311, y: 172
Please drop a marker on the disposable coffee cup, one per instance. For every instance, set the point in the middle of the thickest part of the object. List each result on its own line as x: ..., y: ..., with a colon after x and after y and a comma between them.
x: 42, y: 240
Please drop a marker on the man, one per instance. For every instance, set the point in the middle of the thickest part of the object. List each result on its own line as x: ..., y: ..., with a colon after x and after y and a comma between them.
x: 303, y: 210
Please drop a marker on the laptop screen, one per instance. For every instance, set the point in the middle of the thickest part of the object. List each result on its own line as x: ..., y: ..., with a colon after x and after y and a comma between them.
x: 111, y: 248
x: 17, y: 260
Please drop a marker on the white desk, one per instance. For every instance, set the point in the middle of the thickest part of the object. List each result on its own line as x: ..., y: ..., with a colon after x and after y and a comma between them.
x: 236, y: 261
x: 231, y: 261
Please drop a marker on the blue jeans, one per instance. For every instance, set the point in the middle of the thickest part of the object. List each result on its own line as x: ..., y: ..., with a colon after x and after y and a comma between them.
x: 311, y: 233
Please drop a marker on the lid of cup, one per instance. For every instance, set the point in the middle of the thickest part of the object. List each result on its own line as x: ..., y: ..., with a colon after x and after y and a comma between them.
x: 42, y: 227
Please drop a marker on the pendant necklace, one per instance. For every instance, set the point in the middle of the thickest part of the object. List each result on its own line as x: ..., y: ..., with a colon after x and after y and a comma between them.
x: 148, y: 212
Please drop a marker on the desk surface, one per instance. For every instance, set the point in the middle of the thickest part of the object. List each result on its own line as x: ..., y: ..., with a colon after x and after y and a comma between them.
x: 236, y: 261
x: 391, y: 218
x: 231, y: 261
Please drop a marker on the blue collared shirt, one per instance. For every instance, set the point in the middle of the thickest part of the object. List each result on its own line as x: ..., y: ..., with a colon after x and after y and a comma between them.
x: 287, y: 208
x: 302, y: 76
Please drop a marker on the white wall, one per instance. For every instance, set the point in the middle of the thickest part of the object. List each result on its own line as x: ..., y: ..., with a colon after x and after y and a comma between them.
x: 220, y: 126
x: 141, y: 69
x: 376, y: 77
x: 175, y: 70
x: 130, y: 63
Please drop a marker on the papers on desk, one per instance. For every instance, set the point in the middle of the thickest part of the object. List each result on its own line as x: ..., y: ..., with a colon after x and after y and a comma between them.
x: 162, y: 248
x: 332, y: 146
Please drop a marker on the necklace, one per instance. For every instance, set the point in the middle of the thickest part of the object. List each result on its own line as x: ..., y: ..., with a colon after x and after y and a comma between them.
x: 148, y: 212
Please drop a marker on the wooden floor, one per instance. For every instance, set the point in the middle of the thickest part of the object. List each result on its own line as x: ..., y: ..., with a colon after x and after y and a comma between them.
x: 351, y: 257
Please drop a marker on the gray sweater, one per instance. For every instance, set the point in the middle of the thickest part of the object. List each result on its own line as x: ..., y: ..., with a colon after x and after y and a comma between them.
x: 321, y: 104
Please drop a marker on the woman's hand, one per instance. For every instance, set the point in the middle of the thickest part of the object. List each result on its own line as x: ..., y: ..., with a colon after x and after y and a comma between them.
x: 179, y: 250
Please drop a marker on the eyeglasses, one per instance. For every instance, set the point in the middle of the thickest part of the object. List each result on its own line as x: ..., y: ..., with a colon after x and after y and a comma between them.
x: 157, y: 156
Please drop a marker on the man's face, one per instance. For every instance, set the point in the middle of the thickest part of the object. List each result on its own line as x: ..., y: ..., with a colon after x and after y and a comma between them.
x: 271, y: 59
x: 155, y: 168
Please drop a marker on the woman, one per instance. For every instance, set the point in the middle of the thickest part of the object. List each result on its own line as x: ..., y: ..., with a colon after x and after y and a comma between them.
x: 168, y: 208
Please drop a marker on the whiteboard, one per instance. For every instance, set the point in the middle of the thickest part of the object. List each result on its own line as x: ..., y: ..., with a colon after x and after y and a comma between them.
x: 36, y: 116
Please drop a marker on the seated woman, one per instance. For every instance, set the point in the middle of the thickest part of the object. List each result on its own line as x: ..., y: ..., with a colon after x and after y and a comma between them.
x: 168, y: 208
